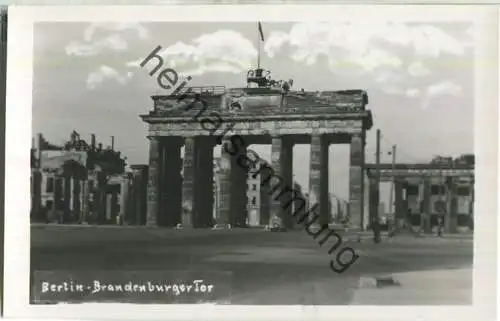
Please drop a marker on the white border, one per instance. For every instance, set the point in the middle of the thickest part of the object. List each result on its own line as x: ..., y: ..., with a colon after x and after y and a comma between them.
x: 18, y: 141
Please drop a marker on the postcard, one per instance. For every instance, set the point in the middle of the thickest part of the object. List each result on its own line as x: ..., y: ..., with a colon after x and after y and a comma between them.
x: 281, y: 162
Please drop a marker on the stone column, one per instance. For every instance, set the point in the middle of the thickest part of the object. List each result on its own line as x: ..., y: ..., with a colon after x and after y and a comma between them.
x: 318, y: 179
x: 216, y: 196
x: 71, y: 184
x: 224, y: 213
x: 85, y: 201
x: 114, y: 206
x: 204, y: 178
x: 398, y: 200
x: 171, y: 182
x: 76, y: 206
x: 153, y: 182
x: 265, y: 205
x: 124, y: 195
x: 188, y: 180
x: 451, y: 222
x: 287, y: 172
x: 101, y: 197
x: 239, y: 186
x: 56, y: 206
x: 277, y: 156
x: 373, y: 197
x: 109, y: 208
x: 426, y: 210
x: 405, y: 203
x: 325, y: 210
x: 356, y: 180
x: 37, y: 196
x: 471, y: 200
x: 141, y: 195
x: 66, y: 198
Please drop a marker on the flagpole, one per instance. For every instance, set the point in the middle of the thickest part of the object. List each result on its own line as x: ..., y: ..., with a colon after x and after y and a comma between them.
x: 258, y: 45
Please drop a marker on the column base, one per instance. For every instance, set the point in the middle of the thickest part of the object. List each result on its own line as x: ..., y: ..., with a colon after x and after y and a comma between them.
x: 151, y: 224
x: 187, y: 220
x: 314, y: 227
x: 221, y: 227
x: 276, y: 223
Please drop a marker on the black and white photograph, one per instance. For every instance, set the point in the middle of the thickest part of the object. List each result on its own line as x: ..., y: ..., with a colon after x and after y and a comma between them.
x: 195, y: 158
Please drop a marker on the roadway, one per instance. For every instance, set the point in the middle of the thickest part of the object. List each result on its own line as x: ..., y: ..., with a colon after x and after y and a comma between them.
x: 267, y: 268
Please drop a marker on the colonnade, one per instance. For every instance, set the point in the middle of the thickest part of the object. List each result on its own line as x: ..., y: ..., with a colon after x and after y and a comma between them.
x: 180, y: 191
x: 424, y: 204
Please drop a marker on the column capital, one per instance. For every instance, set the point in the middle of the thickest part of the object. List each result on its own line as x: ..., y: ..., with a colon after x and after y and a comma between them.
x: 357, y: 136
x: 188, y: 143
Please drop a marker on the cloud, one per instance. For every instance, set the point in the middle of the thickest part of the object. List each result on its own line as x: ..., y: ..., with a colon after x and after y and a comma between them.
x: 412, y: 92
x: 94, y: 43
x: 417, y: 69
x: 440, y: 89
x: 106, y: 73
x: 395, y: 56
x: 276, y: 40
x: 222, y: 51
x: 101, y: 37
x: 444, y: 88
x: 214, y: 67
x: 113, y: 42
x: 362, y: 45
x: 391, y: 82
x: 394, y: 83
x: 376, y: 58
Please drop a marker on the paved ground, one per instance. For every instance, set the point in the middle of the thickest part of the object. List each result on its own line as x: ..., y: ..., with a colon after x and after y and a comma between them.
x: 436, y: 287
x: 267, y: 268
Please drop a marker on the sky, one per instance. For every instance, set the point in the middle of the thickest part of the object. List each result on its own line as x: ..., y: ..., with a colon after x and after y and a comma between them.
x: 419, y: 79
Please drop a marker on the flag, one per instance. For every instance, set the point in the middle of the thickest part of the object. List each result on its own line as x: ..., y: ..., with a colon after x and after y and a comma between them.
x: 260, y: 32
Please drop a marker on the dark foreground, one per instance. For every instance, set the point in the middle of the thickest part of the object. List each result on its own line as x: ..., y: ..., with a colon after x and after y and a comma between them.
x: 267, y: 268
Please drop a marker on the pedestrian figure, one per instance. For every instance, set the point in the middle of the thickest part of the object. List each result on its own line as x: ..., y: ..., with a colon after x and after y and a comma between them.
x: 440, y: 226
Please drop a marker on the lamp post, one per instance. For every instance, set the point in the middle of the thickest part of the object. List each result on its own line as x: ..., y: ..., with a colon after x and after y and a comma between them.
x: 215, y: 211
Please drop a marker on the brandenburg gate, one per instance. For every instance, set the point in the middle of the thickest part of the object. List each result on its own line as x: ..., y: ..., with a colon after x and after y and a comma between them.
x: 180, y: 190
